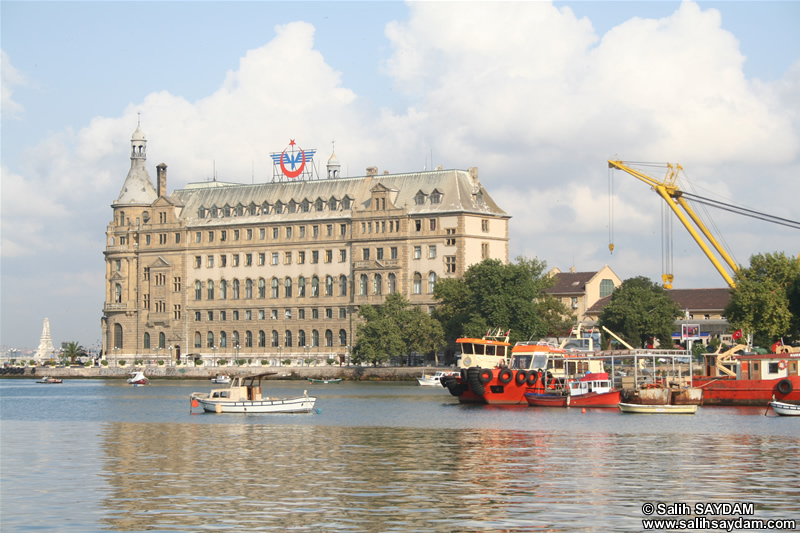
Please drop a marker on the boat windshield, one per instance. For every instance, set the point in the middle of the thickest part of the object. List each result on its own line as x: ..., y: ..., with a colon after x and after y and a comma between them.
x: 466, y: 348
x: 521, y: 362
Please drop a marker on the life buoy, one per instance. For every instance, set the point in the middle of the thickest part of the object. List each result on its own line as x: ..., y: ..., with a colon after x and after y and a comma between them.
x: 784, y: 386
x: 532, y: 377
x: 782, y: 365
x: 521, y: 378
x: 485, y: 376
x: 505, y: 376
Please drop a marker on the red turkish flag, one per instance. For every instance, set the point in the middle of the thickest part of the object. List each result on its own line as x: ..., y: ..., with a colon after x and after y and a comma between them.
x: 737, y: 334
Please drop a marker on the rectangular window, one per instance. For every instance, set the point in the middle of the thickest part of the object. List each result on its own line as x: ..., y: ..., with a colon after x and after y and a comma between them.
x: 236, y: 235
x: 315, y: 257
x: 235, y: 260
x: 302, y: 232
x: 417, y: 252
x: 177, y: 238
x: 450, y: 264
x: 198, y: 236
x: 274, y: 258
x: 274, y: 233
x: 342, y: 256
x: 301, y: 258
x: 417, y: 225
x: 211, y: 316
x: 197, y: 316
x: 287, y: 314
x: 315, y: 314
x: 342, y: 229
x: 147, y: 240
x: 484, y: 250
x: 162, y: 238
x: 342, y: 312
x: 329, y: 230
x: 146, y: 273
x: 248, y: 259
x: 223, y: 235
x: 301, y: 314
x: 236, y: 315
x: 287, y: 258
x: 248, y: 315
x: 432, y: 251
x: 176, y: 284
x: 262, y: 258
x: 223, y: 260
x: 365, y: 254
x: 210, y: 261
x: 223, y: 316
x: 433, y: 224
x: 315, y: 231
x: 198, y: 261
x: 176, y: 312
x: 393, y: 252
x: 262, y: 233
x: 249, y: 234
x: 328, y: 256
x: 210, y: 236
x: 484, y: 225
x: 288, y: 232
x: 379, y: 254
x: 261, y: 314
x: 273, y: 314
x: 328, y: 312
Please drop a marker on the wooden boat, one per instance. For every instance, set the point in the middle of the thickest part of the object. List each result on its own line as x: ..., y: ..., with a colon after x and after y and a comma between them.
x: 785, y: 409
x: 221, y: 379
x: 733, y: 378
x: 331, y: 380
x: 48, y: 379
x: 435, y: 379
x: 658, y: 409
x: 592, y: 390
x: 244, y: 396
x: 138, y: 378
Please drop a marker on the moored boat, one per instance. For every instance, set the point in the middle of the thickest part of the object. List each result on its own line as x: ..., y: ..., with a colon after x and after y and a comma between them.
x: 733, y: 378
x: 592, y: 390
x: 436, y: 378
x: 331, y: 380
x: 244, y: 395
x: 785, y: 409
x: 221, y: 379
x: 48, y: 379
x: 657, y: 409
x: 138, y: 378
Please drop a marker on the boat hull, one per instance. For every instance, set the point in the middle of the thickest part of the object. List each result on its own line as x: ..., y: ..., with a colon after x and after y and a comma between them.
x: 336, y: 380
x: 592, y: 399
x: 302, y: 404
x: 725, y: 391
x: 785, y: 409
x: 658, y: 409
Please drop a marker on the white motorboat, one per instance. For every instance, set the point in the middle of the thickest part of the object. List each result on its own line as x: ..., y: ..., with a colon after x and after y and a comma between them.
x: 221, y: 379
x: 138, y: 378
x: 435, y: 379
x: 658, y: 409
x: 785, y: 409
x: 244, y: 396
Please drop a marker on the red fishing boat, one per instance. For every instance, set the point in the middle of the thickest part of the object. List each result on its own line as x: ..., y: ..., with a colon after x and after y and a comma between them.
x: 592, y: 390
x: 746, y: 379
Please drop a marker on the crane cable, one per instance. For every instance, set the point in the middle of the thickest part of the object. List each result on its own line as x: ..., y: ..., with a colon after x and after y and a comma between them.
x: 611, y: 210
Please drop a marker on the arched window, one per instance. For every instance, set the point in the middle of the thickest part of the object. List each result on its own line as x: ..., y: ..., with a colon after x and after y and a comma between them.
x: 377, y: 284
x: 146, y: 341
x: 431, y: 282
x: 223, y: 339
x: 198, y: 290
x: 118, y: 293
x: 248, y: 339
x: 236, y: 289
x: 301, y: 338
x: 328, y: 285
x: 342, y: 337
x: 287, y: 338
x: 392, y: 283
x: 210, y: 289
x: 274, y: 288
x: 274, y: 339
x: 301, y: 287
x: 162, y: 340
x: 198, y: 340
x: 362, y: 285
x: 248, y: 288
x: 235, y: 339
x: 209, y: 339
x: 117, y: 336
x: 287, y: 287
x: 314, y: 286
x: 342, y: 285
x: 417, y: 283
x: 223, y: 290
x: 262, y: 339
x: 328, y: 338
x: 262, y: 288
x: 314, y: 338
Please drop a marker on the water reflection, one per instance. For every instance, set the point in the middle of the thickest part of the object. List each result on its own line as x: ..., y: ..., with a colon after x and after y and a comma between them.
x: 265, y: 477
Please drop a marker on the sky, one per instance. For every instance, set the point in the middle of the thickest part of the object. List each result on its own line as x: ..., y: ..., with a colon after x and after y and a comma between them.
x: 537, y: 95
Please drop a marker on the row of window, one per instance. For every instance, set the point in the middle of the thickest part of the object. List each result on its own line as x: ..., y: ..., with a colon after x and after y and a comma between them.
x: 260, y: 339
x: 222, y: 315
x: 277, y: 208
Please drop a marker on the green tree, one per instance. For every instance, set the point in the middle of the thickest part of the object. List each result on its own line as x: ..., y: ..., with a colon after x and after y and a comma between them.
x: 72, y: 350
x: 766, y: 300
x: 640, y: 309
x: 492, y: 294
x: 395, y: 327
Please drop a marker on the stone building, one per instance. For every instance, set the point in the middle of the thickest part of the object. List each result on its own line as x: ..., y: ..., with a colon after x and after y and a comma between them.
x: 276, y: 271
x: 580, y: 290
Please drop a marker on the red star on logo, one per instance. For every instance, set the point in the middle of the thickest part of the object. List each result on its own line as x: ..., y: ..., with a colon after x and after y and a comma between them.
x: 291, y: 142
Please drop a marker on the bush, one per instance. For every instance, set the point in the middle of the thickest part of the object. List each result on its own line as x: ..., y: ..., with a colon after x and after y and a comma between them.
x: 198, y: 362
x: 287, y: 362
x: 222, y: 362
x: 330, y: 361
x: 138, y: 362
x: 160, y: 362
x: 241, y: 362
x: 264, y: 362
x: 104, y: 362
x: 122, y: 362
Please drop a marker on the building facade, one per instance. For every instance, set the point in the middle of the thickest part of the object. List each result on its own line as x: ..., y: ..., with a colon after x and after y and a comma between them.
x: 276, y: 271
x: 580, y: 290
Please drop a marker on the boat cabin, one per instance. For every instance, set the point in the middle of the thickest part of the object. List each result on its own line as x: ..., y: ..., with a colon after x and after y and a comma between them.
x: 242, y: 388
x: 761, y: 367
x: 491, y: 351
x: 592, y: 382
x: 553, y: 359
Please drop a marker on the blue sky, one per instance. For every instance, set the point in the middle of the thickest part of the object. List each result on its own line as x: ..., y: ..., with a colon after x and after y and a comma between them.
x: 537, y: 95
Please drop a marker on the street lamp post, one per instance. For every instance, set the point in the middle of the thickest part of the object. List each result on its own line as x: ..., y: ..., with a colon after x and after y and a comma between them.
x: 214, y: 355
x: 237, y: 352
x: 157, y: 348
x: 116, y: 361
x: 171, y: 361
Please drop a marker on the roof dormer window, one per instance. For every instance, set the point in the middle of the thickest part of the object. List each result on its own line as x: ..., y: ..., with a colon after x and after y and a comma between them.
x: 436, y: 197
x: 419, y: 199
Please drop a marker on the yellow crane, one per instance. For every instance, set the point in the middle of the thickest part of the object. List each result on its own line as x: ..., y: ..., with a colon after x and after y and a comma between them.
x: 671, y: 194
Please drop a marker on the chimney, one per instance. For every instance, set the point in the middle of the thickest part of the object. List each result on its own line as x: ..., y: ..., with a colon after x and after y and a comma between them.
x: 372, y: 171
x: 161, y: 181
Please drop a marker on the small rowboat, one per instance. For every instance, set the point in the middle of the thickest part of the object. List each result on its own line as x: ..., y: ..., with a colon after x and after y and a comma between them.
x: 658, y: 409
x: 48, y: 379
x: 335, y: 380
x: 785, y: 409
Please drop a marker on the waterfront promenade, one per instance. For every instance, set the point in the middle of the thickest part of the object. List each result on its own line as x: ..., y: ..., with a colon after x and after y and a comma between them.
x: 352, y: 372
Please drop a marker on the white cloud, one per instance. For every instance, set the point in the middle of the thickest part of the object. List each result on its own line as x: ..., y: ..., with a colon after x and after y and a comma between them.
x: 9, y: 78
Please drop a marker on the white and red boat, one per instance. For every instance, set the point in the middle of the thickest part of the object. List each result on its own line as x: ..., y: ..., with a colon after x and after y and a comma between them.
x: 592, y: 390
x: 746, y: 379
x: 138, y: 378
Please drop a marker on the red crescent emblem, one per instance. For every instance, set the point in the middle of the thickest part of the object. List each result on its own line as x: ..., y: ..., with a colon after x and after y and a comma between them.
x: 293, y: 173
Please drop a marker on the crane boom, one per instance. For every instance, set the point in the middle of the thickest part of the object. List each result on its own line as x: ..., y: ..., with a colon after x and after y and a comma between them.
x: 674, y: 198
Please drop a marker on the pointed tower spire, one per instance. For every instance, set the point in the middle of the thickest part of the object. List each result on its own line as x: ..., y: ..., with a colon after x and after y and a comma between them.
x: 46, y: 348
x: 137, y: 189
x: 334, y: 167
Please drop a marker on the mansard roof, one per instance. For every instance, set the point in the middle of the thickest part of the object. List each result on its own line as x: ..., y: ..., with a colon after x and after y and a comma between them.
x: 459, y: 189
